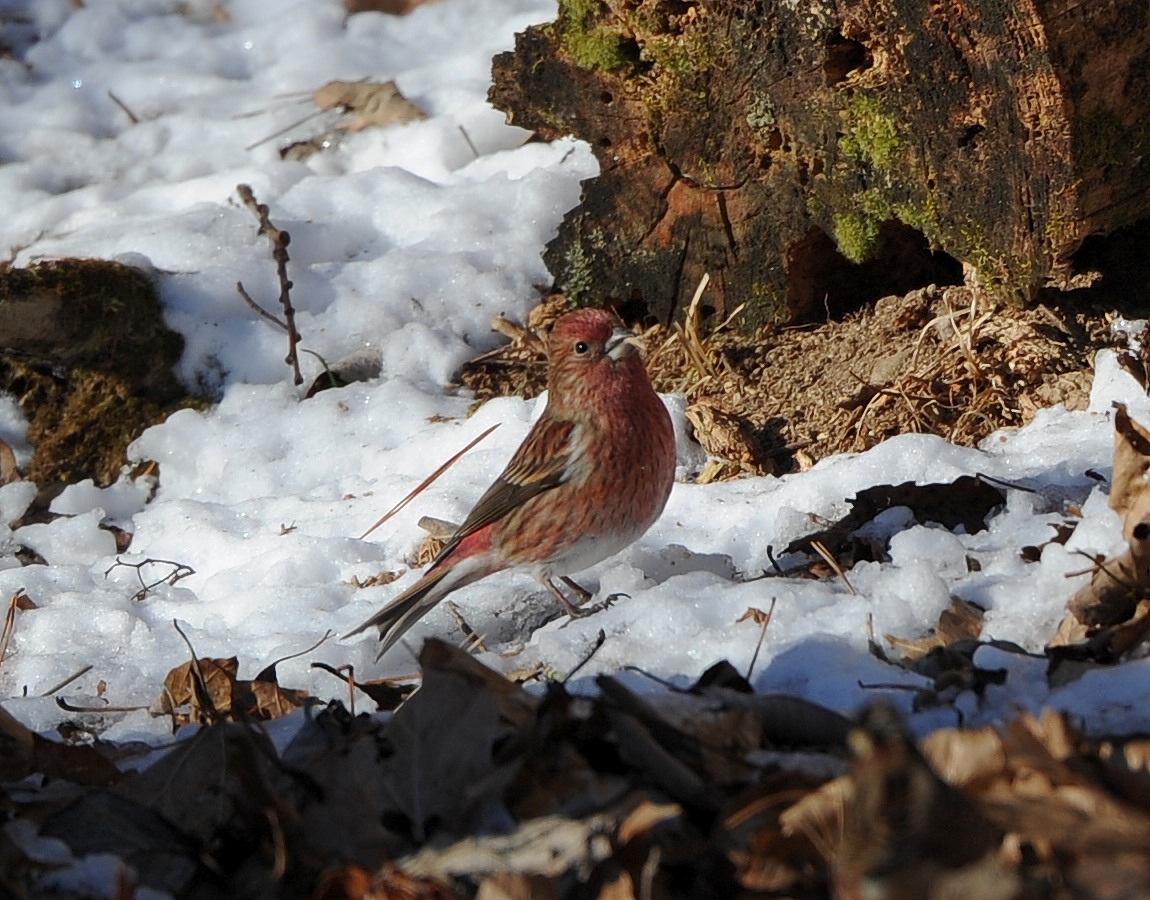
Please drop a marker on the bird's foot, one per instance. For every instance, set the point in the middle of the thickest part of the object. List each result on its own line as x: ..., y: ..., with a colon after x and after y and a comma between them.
x: 577, y: 611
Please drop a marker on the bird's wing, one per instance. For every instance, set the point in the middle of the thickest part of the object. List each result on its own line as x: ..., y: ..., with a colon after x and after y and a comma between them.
x: 540, y: 464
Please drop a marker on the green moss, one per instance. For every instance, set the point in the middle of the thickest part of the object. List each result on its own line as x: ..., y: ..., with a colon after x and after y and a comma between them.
x: 589, y: 44
x: 856, y: 235
x: 872, y: 136
x: 577, y: 280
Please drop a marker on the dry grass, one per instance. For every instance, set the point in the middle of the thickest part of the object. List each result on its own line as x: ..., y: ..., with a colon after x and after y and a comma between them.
x: 937, y: 361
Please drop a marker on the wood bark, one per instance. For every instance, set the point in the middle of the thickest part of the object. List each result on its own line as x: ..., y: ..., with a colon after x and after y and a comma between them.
x: 811, y: 154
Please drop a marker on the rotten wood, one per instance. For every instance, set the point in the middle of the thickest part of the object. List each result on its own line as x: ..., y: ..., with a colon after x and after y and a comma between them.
x: 810, y: 156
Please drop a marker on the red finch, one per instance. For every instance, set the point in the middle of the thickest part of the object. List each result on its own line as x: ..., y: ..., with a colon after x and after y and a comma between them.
x: 591, y: 477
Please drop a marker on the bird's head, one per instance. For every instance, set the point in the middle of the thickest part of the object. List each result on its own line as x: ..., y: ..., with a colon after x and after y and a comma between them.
x: 591, y: 348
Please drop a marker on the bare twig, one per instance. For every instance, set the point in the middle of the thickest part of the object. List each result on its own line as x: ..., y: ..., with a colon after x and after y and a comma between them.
x: 764, y: 619
x: 67, y: 681
x: 600, y: 640
x: 467, y: 137
x: 179, y: 571
x: 243, y: 292
x: 132, y: 117
x: 200, y: 693
x: 280, y: 240
x: 9, y: 625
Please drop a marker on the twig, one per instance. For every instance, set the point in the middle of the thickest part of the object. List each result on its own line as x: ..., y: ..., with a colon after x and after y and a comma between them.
x: 764, y: 620
x: 68, y: 707
x: 67, y: 681
x: 9, y: 625
x: 259, y: 309
x: 467, y: 137
x: 280, y: 240
x: 285, y: 129
x: 203, y: 699
x: 426, y: 481
x: 179, y: 571
x: 135, y: 120
x: 600, y: 639
x: 472, y: 640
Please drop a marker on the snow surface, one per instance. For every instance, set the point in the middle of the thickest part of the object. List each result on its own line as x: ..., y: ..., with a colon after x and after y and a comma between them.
x: 405, y: 242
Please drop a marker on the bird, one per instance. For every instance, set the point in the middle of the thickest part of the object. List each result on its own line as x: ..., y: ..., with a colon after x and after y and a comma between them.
x: 592, y: 475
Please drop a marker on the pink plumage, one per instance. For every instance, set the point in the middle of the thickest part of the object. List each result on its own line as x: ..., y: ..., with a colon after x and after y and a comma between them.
x: 590, y: 478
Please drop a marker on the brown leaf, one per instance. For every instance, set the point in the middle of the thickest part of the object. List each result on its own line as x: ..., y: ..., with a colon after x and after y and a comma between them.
x: 966, y: 501
x: 265, y: 699
x: 960, y: 621
x: 1131, y: 460
x: 906, y: 832
x: 24, y: 753
x: 371, y: 104
x: 197, y: 685
x: 9, y: 472
x: 728, y: 437
x: 391, y: 7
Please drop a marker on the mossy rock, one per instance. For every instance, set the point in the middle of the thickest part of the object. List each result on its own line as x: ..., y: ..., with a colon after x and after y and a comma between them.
x: 85, y: 351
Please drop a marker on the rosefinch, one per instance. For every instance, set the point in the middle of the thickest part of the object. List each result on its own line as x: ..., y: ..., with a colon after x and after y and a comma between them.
x: 591, y: 477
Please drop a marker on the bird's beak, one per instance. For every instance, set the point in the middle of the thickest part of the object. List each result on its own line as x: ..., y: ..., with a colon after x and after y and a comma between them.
x: 622, y: 343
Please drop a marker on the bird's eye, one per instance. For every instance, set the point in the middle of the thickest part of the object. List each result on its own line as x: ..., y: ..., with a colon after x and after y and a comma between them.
x: 581, y: 347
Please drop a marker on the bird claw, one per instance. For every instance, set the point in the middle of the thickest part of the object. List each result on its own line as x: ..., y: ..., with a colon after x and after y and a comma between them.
x: 582, y: 612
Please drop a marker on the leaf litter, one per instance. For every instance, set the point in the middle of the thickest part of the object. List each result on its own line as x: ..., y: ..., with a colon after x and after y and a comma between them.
x: 475, y: 786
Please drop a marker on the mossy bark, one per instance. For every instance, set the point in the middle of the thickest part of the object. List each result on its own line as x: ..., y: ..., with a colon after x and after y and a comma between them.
x: 84, y: 348
x: 753, y: 140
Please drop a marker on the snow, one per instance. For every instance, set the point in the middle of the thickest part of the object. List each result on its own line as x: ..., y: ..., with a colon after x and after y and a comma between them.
x: 406, y: 244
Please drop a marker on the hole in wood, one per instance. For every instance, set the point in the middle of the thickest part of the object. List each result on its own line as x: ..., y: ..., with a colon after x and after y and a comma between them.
x: 969, y: 134
x: 821, y: 282
x: 843, y: 57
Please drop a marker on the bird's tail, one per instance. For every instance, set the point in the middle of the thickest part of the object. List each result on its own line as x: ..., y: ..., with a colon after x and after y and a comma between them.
x: 400, y: 614
x: 448, y: 573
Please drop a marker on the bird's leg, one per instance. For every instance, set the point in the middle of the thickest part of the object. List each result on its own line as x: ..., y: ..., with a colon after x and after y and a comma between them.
x: 572, y: 610
x: 581, y: 592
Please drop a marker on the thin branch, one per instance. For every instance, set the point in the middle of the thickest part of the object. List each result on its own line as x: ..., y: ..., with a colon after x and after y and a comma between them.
x: 280, y: 240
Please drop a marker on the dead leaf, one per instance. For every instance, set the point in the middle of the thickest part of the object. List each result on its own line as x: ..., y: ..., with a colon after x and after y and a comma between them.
x: 960, y: 621
x: 906, y: 832
x: 187, y: 685
x: 24, y: 753
x: 967, y: 502
x: 728, y: 437
x: 1131, y: 460
x: 391, y: 7
x: 369, y: 104
x: 9, y: 471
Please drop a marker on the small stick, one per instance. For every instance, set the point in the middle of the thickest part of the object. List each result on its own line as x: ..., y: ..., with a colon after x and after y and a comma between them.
x: 600, y: 640
x: 67, y: 681
x: 467, y: 137
x: 135, y: 120
x: 9, y: 625
x: 472, y: 641
x: 202, y: 698
x: 280, y: 240
x: 764, y: 621
x: 259, y: 309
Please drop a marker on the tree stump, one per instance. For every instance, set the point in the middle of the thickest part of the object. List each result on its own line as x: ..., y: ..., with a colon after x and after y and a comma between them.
x: 809, y: 155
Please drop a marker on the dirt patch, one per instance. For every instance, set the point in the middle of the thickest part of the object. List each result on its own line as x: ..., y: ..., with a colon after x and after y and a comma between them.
x: 937, y: 360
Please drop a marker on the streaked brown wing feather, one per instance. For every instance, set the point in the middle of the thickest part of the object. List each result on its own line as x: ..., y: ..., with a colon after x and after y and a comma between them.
x: 539, y: 465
